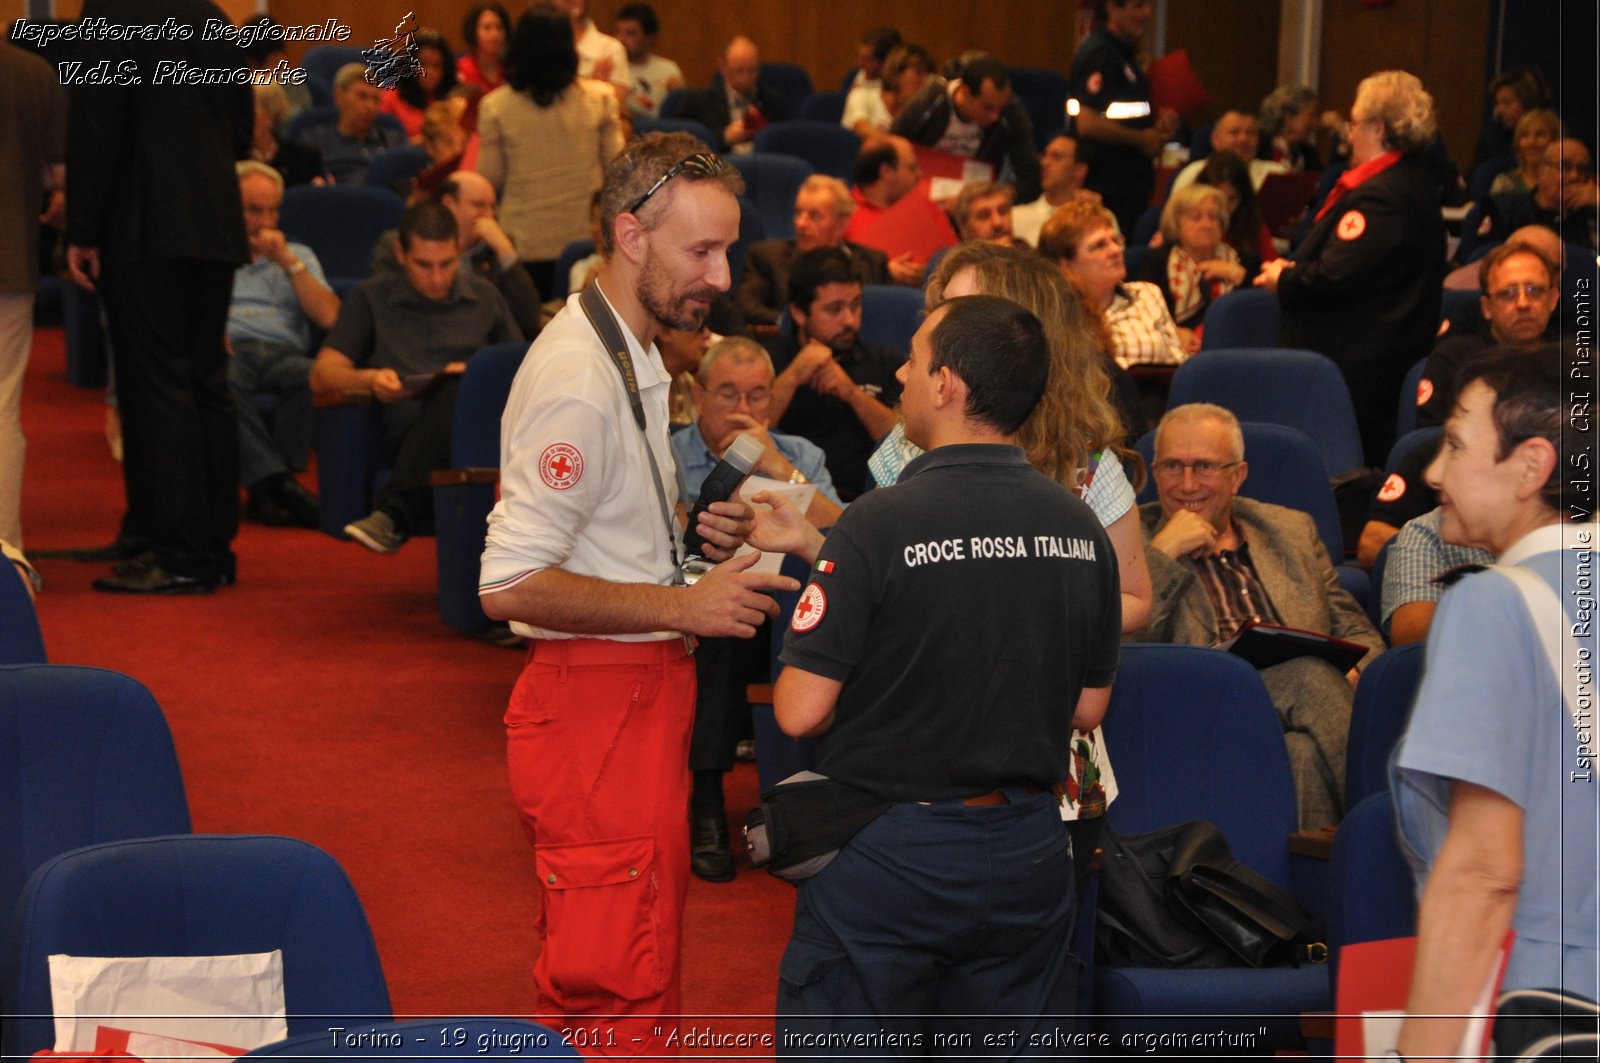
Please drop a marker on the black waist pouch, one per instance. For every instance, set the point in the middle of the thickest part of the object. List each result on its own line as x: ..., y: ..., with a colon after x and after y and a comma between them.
x: 802, y: 823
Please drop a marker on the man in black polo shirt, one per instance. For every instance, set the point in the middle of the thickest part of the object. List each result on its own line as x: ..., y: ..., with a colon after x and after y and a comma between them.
x: 1116, y: 121
x: 957, y: 627
x: 833, y: 387
x: 403, y: 338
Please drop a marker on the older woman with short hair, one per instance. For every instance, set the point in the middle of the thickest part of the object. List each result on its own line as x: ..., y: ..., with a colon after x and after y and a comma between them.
x: 1535, y: 130
x: 1364, y: 288
x: 1194, y: 266
x: 1082, y: 240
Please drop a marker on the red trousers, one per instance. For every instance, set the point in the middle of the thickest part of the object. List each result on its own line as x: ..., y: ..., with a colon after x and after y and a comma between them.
x: 598, y: 746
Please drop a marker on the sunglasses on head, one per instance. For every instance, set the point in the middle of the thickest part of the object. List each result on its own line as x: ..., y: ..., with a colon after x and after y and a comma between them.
x: 700, y: 165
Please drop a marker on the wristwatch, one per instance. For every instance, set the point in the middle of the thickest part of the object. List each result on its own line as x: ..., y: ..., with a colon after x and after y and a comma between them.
x: 798, y: 477
x: 298, y: 267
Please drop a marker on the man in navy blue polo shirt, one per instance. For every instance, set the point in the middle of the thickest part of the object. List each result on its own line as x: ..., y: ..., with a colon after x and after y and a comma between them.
x: 958, y: 625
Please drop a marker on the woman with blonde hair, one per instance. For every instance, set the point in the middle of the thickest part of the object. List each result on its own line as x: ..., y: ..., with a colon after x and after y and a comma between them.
x: 1535, y: 130
x: 1194, y: 266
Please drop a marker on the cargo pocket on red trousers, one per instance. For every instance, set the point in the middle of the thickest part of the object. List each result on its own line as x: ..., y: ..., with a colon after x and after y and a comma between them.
x: 604, y: 929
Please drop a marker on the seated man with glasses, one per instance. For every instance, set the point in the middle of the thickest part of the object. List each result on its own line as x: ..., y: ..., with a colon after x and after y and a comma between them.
x: 1520, y: 290
x: 1218, y: 560
x: 1564, y: 197
x: 733, y: 394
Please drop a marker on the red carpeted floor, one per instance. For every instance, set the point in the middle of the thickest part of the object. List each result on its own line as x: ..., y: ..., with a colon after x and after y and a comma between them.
x: 323, y: 698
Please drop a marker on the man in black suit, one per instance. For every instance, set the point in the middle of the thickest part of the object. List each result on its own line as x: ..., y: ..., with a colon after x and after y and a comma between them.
x: 739, y: 106
x: 155, y: 225
x: 822, y: 210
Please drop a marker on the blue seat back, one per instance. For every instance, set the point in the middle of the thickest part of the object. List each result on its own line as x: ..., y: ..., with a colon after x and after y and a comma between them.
x: 480, y: 402
x: 672, y: 102
x: 771, y: 183
x: 1409, y: 442
x: 824, y: 106
x: 21, y: 641
x: 1300, y: 389
x: 788, y: 80
x: 86, y: 757
x: 1144, y: 227
x: 1378, y: 719
x: 1374, y: 893
x: 1044, y: 95
x: 891, y: 315
x: 826, y: 147
x: 1200, y: 143
x: 324, y: 60
x: 751, y: 231
x: 495, y: 1038
x: 1133, y: 258
x: 320, y: 90
x: 570, y: 256
x: 199, y: 895
x: 673, y: 124
x: 341, y: 223
x: 393, y: 168
x: 1285, y: 470
x: 1244, y: 317
x: 1192, y: 734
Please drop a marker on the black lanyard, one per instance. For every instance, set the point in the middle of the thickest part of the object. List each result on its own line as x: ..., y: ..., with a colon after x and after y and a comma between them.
x: 610, y: 333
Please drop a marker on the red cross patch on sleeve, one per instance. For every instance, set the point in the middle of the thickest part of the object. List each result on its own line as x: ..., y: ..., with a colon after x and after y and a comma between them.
x: 560, y: 466
x: 1393, y: 488
x: 1424, y: 391
x: 808, y: 614
x: 1352, y: 225
x: 1093, y: 82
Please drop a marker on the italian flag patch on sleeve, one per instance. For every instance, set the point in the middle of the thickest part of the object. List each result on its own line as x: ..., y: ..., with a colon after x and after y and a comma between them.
x: 823, y: 567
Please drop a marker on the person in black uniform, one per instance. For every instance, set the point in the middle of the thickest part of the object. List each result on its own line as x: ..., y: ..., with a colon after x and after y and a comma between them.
x: 1120, y: 141
x: 1364, y: 288
x: 154, y: 223
x: 957, y: 626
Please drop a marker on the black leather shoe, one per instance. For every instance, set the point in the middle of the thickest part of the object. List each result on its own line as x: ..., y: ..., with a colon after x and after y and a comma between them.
x: 709, y: 856
x: 299, y: 503
x: 152, y: 579
x: 122, y: 548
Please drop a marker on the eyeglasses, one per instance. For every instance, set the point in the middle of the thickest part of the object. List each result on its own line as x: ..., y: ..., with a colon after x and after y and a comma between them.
x: 1508, y: 295
x: 729, y: 398
x: 700, y: 165
x: 1173, y: 469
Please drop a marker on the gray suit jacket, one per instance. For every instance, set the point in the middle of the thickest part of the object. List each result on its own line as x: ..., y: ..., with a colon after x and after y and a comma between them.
x: 1291, y: 563
x: 763, y: 294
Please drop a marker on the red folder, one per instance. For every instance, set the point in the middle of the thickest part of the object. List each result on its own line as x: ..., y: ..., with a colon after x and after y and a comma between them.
x: 913, y: 225
x: 1375, y: 978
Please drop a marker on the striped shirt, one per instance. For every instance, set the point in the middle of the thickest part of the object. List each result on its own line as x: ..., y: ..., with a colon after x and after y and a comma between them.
x: 1142, y: 329
x: 1236, y: 593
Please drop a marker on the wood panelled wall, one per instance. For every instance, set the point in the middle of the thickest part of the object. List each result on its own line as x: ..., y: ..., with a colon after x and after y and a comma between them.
x: 1232, y: 43
x: 1443, y: 42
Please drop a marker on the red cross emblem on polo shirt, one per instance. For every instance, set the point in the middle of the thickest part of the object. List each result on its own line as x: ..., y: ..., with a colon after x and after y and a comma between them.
x: 560, y: 466
x: 810, y: 610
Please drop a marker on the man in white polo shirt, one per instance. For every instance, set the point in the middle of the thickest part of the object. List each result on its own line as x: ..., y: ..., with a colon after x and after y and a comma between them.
x: 582, y: 557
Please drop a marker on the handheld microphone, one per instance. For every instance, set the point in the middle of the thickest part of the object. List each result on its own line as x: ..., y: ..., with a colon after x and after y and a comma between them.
x: 722, y: 484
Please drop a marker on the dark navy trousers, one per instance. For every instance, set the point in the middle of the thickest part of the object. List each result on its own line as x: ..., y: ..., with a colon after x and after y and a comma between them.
x: 939, y: 930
